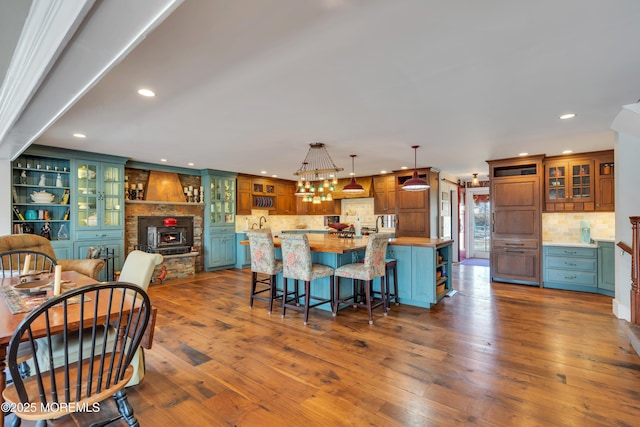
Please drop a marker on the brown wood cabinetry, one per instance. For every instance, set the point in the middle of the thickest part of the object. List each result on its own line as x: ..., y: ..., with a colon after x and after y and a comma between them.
x: 286, y: 203
x: 243, y: 196
x: 384, y: 195
x: 333, y: 207
x: 580, y: 183
x: 605, y: 189
x: 516, y: 220
x: 412, y: 208
x: 275, y: 195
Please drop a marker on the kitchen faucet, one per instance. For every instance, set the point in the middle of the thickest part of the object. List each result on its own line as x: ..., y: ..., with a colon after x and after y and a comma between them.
x: 381, y: 218
x: 253, y: 226
x: 265, y: 221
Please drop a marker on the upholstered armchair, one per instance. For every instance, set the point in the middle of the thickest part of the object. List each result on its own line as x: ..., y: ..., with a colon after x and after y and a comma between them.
x: 12, y: 242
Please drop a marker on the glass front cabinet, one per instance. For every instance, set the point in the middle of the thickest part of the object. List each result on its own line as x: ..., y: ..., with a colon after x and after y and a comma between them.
x: 220, y: 221
x: 97, y: 212
x: 569, y: 185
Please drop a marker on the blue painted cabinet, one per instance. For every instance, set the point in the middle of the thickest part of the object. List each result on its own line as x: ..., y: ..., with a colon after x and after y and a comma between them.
x: 423, y: 273
x: 89, y: 199
x: 43, y: 172
x: 606, y: 268
x: 219, y: 220
x: 243, y: 252
x: 570, y: 267
x: 97, y: 210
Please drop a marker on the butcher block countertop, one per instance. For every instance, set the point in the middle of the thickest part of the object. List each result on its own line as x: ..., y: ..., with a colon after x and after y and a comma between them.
x: 330, y: 243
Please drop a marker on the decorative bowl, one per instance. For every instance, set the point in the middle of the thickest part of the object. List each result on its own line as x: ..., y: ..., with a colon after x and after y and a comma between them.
x: 42, y: 197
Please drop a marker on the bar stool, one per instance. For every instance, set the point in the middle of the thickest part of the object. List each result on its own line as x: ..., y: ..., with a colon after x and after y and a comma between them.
x: 372, y: 268
x: 391, y: 265
x: 263, y: 261
x: 297, y: 265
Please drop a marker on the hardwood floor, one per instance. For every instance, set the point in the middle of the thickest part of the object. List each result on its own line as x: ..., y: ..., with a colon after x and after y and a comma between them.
x: 492, y: 355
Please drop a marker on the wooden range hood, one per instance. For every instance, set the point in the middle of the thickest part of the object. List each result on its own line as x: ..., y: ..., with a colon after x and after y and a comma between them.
x: 365, y: 181
x: 164, y: 187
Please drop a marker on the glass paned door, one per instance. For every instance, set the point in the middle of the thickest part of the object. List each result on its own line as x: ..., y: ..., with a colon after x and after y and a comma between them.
x: 87, y: 195
x: 223, y: 201
x: 556, y: 182
x: 479, y: 225
x: 111, y: 195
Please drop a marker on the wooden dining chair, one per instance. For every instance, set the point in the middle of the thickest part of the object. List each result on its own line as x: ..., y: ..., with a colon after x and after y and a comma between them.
x: 12, y: 262
x: 91, y: 376
x: 264, y: 269
x: 374, y: 266
x: 298, y: 265
x: 137, y: 269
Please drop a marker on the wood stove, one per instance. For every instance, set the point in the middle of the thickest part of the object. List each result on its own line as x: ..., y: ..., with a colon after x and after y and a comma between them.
x: 154, y: 236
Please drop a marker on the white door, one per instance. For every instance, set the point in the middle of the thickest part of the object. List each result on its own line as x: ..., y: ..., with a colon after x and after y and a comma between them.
x: 478, y: 222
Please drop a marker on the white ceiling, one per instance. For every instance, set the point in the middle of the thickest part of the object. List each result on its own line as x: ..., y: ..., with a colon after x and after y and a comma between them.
x: 246, y: 85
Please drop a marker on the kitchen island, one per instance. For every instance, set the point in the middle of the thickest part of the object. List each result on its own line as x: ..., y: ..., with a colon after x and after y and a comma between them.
x: 423, y: 264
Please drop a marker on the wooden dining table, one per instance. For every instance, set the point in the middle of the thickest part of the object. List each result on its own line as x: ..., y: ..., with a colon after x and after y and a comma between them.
x: 9, y: 321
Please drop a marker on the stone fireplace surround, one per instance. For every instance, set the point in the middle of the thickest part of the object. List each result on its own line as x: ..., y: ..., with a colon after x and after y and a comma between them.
x: 182, y: 265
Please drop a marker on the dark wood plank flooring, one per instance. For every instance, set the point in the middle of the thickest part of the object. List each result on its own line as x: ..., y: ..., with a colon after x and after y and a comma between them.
x: 492, y: 355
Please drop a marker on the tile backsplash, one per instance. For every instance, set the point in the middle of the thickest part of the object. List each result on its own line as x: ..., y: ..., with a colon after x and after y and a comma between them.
x: 565, y: 227
x: 350, y: 208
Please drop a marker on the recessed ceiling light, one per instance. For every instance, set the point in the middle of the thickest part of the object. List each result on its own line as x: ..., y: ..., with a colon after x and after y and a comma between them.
x: 146, y: 92
x: 404, y: 167
x: 523, y: 154
x: 383, y: 171
x: 79, y: 135
x: 163, y: 160
x: 567, y: 151
x: 263, y: 172
x: 567, y: 116
x: 274, y: 176
x: 190, y: 164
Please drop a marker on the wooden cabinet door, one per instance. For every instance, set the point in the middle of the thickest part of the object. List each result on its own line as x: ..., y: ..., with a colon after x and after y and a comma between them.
x: 384, y: 195
x: 605, y: 194
x: 513, y: 264
x: 243, y: 196
x: 516, y: 208
x: 412, y: 209
x: 286, y: 203
x: 516, y: 229
x: 605, y: 188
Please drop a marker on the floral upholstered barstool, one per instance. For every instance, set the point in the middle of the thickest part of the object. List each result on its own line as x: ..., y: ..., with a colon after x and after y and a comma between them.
x: 263, y: 261
x: 374, y: 266
x: 297, y: 265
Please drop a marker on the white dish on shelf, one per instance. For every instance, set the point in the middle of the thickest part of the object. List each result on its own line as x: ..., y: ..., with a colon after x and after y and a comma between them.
x: 42, y: 197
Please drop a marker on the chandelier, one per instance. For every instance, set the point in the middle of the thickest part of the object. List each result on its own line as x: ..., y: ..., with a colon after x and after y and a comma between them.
x: 318, y: 175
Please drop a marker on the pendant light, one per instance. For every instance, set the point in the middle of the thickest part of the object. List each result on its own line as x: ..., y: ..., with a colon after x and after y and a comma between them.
x: 353, y: 187
x: 474, y: 181
x: 415, y: 183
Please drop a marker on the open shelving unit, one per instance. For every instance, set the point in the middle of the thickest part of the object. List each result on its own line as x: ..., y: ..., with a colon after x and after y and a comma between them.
x: 29, y: 216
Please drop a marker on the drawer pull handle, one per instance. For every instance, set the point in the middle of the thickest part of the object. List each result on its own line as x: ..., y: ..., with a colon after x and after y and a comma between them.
x: 515, y: 252
x: 570, y: 263
x: 570, y: 277
x: 570, y: 252
x: 514, y: 244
